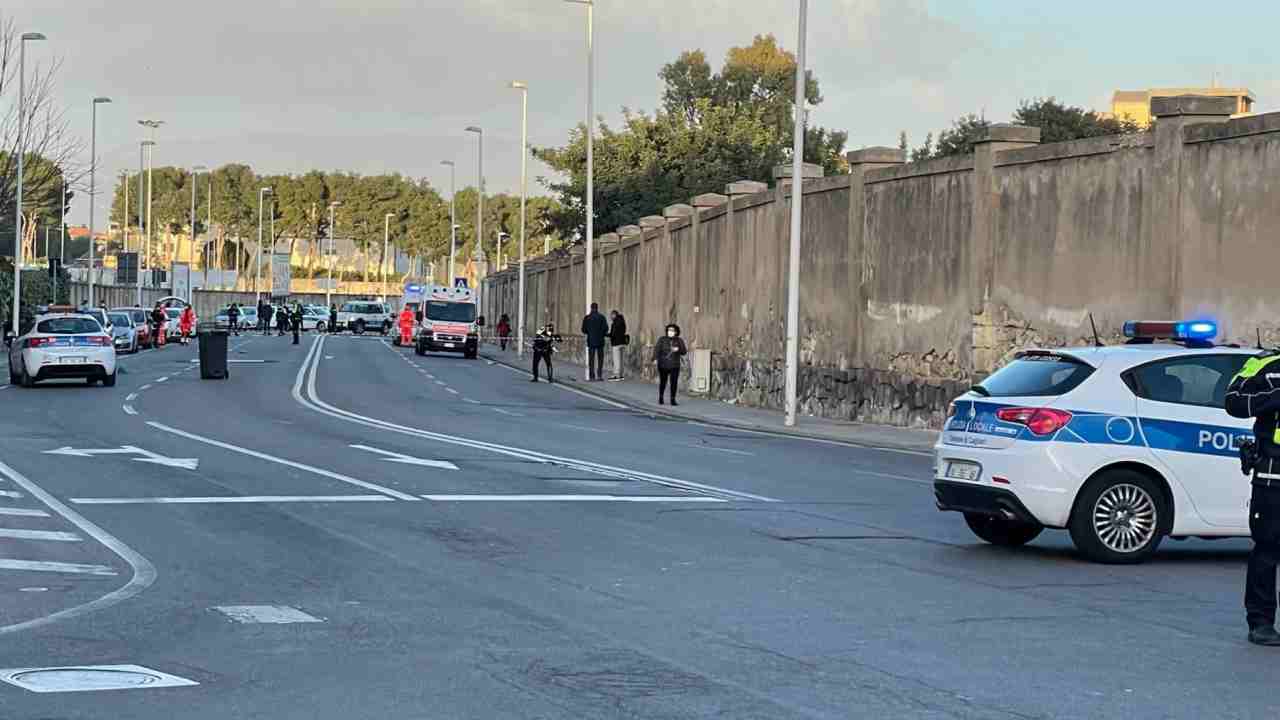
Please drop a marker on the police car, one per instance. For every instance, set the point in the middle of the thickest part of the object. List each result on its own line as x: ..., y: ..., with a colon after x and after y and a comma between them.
x: 60, y: 346
x: 1120, y: 445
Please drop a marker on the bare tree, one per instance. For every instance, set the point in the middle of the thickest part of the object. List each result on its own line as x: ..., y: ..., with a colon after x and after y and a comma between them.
x: 49, y: 147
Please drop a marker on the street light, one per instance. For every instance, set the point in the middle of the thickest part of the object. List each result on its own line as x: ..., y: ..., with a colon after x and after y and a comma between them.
x: 524, y: 188
x: 478, y: 251
x: 152, y: 125
x: 257, y: 271
x: 386, y: 237
x: 328, y: 293
x: 453, y: 220
x: 590, y: 158
x: 144, y: 150
x: 195, y: 171
x: 22, y: 146
x: 497, y: 263
x: 93, y: 166
x: 797, y: 200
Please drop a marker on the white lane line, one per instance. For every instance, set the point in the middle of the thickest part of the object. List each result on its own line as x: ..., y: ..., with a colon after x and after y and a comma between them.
x: 215, y: 500
x: 723, y: 450
x: 281, y: 461
x: 440, y: 382
x: 576, y: 498
x: 10, y: 494
x: 129, y: 409
x: 430, y: 376
x: 891, y: 476
x: 313, y: 402
x: 821, y: 441
x: 266, y: 614
x: 507, y: 412
x: 571, y: 389
x: 451, y: 390
x: 55, y: 567
x: 144, y: 387
x: 144, y: 573
x: 407, y: 459
x: 4, y: 387
x: 131, y: 397
x: 582, y: 428
x: 52, y: 535
x: 23, y: 512
x: 163, y: 379
x: 473, y: 402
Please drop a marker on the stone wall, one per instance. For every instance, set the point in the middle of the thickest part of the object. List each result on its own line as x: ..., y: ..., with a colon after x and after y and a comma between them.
x: 920, y: 277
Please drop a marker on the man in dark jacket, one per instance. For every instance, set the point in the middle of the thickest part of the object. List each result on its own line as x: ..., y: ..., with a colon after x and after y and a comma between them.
x: 596, y: 328
x: 282, y: 320
x: 667, y: 354
x: 1255, y: 392
x: 543, y: 346
x: 233, y: 318
x: 295, y: 319
x: 618, y: 339
x: 265, y: 313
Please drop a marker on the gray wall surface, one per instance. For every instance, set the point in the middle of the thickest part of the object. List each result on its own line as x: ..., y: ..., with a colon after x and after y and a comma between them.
x: 920, y: 278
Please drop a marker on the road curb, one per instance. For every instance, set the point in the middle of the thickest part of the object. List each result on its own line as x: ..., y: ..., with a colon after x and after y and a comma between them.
x: 587, y: 389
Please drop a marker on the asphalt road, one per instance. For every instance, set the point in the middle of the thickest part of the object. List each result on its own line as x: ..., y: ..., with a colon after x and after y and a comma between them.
x: 462, y: 543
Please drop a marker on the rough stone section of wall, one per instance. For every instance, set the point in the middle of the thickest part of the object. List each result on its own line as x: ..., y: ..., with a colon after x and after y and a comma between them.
x: 999, y: 333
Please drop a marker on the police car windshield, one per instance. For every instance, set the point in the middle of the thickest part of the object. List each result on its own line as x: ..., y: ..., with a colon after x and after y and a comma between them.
x: 1036, y: 375
x: 451, y: 311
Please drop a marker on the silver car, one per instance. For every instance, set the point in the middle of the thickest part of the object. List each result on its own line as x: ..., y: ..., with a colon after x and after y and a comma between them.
x: 124, y: 332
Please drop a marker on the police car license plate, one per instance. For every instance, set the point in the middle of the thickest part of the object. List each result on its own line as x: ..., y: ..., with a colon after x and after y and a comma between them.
x: 448, y: 345
x: 72, y: 359
x: 957, y: 470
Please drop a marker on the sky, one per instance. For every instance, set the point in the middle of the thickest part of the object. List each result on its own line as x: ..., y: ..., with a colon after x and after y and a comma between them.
x: 375, y: 86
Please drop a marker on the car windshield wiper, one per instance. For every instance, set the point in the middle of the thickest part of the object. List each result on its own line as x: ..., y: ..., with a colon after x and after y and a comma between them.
x: 980, y: 390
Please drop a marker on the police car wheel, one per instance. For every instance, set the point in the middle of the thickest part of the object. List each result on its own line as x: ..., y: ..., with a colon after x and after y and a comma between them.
x: 25, y: 378
x: 1000, y: 531
x: 359, y: 327
x: 1119, y: 518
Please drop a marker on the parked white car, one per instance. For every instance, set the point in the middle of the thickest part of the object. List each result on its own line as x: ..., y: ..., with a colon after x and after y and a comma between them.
x: 361, y: 315
x: 61, y: 346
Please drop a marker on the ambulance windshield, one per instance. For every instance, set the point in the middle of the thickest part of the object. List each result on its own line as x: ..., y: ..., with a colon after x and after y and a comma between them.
x: 451, y: 311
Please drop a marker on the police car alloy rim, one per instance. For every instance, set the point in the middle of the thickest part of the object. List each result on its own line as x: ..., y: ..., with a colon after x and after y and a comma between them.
x: 1124, y: 518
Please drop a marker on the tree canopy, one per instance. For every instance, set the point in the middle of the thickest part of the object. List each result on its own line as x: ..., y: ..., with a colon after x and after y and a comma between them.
x: 1057, y: 122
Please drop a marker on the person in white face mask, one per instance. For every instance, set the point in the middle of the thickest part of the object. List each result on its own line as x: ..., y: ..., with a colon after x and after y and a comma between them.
x: 667, y: 354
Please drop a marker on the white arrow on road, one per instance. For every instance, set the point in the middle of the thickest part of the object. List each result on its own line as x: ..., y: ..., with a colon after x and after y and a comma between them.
x: 406, y: 459
x: 147, y: 455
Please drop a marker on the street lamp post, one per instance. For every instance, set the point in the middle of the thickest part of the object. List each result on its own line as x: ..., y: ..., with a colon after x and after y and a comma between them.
x: 62, y: 235
x: 333, y: 250
x: 453, y: 219
x: 257, y: 269
x: 22, y: 147
x: 497, y: 262
x: 590, y: 158
x: 195, y: 172
x: 150, y: 145
x: 93, y: 166
x: 524, y: 186
x: 797, y: 200
x: 386, y: 239
x: 480, y: 193
x: 143, y: 239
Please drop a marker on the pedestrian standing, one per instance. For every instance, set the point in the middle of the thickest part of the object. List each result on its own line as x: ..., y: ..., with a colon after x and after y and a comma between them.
x: 282, y: 320
x: 296, y: 320
x: 187, y: 323
x: 667, y: 353
x: 544, y: 345
x: 233, y: 318
x: 618, y: 339
x: 333, y: 318
x: 158, y: 319
x: 595, y: 327
x: 265, y: 314
x: 406, y: 326
x: 1254, y: 393
x: 504, y: 331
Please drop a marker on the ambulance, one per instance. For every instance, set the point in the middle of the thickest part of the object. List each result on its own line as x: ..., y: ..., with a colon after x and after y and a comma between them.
x: 448, y: 322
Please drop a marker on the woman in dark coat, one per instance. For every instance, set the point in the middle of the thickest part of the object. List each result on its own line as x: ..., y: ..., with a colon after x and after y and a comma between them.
x: 667, y: 354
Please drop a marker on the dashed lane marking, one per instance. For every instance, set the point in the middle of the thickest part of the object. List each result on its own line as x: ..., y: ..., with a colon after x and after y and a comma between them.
x: 55, y: 567
x: 144, y: 388
x: 10, y: 494
x: 131, y: 397
x: 23, y: 512
x: 51, y: 535
x: 583, y: 428
x: 577, y: 498
x: 163, y: 379
x: 232, y: 500
x: 266, y: 614
x: 723, y: 450
x: 129, y: 409
x: 473, y: 402
x: 507, y: 412
x: 451, y: 390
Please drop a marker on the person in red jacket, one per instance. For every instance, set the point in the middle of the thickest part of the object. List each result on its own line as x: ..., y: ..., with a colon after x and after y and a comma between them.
x: 406, y: 326
x: 187, y: 324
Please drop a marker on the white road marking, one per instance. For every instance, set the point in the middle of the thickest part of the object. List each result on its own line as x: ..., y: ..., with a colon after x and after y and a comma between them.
x: 144, y: 387
x: 231, y: 500
x: 575, y: 498
x: 451, y: 390
x: 507, y: 412
x: 10, y: 494
x: 51, y: 535
x: 312, y: 401
x: 4, y: 387
x: 163, y: 379
x: 266, y: 614
x: 148, y: 456
x: 473, y: 402
x: 582, y: 428
x: 144, y: 573
x: 407, y: 459
x: 281, y: 461
x: 440, y: 382
x: 131, y: 397
x: 723, y: 450
x: 23, y: 512
x: 56, y: 567
x: 571, y: 389
x: 129, y: 409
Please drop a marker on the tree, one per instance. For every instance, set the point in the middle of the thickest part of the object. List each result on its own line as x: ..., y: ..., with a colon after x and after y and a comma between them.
x: 902, y: 141
x: 925, y: 151
x: 1059, y: 122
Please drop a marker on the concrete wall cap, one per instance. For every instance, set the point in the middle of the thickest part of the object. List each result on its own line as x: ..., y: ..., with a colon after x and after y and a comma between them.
x: 1004, y: 132
x: 708, y: 200
x: 745, y: 187
x: 652, y: 221
x: 626, y: 230
x: 578, y: 250
x: 878, y: 155
x: 810, y: 170
x: 609, y: 238
x: 1192, y: 105
x: 678, y: 210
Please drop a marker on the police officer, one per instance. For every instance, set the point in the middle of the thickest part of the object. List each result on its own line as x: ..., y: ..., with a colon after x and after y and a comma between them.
x: 1255, y: 392
x: 295, y: 319
x: 543, y: 345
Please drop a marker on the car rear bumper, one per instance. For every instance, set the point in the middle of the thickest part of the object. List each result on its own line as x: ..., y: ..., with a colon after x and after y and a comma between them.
x: 1043, y: 483
x: 974, y: 498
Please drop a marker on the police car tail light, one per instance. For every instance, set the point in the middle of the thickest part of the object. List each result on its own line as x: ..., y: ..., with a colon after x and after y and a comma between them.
x: 39, y: 341
x: 1040, y: 421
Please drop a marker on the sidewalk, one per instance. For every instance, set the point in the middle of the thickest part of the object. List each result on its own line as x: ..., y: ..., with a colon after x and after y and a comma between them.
x: 643, y: 396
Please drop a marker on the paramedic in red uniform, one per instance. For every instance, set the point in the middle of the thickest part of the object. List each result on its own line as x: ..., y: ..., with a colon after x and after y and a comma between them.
x: 406, y: 326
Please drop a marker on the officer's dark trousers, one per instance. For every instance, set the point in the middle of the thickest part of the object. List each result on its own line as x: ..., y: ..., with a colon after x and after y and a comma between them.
x: 540, y: 356
x: 595, y: 362
x: 1260, y: 582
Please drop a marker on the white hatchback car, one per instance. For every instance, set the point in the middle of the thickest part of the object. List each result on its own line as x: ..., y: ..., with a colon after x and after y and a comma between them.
x: 1120, y: 445
x: 60, y: 346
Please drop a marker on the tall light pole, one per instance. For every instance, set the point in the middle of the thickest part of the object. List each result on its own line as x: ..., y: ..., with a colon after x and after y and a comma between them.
x: 62, y: 250
x: 386, y: 240
x: 480, y: 193
x: 208, y: 226
x: 453, y: 219
x: 124, y: 180
x: 143, y: 238
x: 257, y: 270
x: 333, y: 251
x: 151, y: 144
x: 590, y: 157
x: 195, y: 172
x: 797, y: 200
x: 93, y: 200
x: 524, y: 189
x: 22, y: 147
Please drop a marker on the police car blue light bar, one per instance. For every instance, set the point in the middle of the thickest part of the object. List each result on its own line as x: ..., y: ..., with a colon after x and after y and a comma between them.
x: 1196, y: 330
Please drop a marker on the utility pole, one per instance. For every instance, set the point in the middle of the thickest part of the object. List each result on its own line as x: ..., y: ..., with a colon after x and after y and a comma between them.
x: 797, y: 202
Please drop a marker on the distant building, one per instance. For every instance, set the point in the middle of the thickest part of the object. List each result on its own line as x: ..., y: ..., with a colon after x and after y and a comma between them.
x: 1136, y: 104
